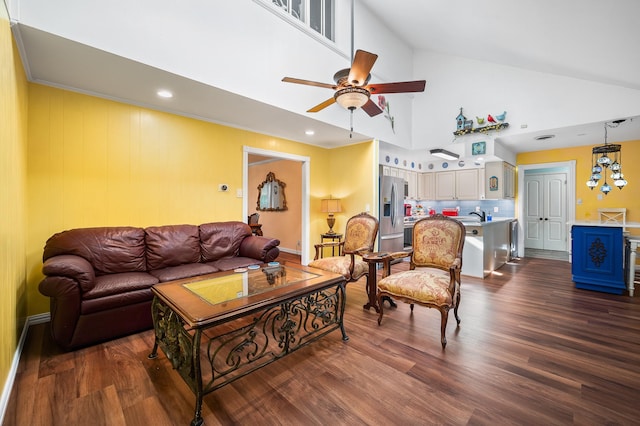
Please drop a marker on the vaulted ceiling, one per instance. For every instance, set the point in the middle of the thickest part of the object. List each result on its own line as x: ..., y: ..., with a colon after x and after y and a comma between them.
x: 590, y: 40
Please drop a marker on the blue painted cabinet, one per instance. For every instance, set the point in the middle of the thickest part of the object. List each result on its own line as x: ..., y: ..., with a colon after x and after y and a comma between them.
x: 597, y: 258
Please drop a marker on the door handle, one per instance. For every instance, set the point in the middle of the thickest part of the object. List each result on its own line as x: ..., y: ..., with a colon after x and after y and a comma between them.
x: 546, y: 218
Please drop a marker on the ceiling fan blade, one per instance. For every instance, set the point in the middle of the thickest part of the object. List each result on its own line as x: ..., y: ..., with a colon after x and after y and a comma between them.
x: 371, y: 108
x: 399, y: 87
x: 361, y: 67
x: 322, y: 105
x: 309, y: 83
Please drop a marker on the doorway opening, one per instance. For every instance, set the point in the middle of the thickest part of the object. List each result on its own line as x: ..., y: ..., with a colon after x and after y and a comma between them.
x: 546, y: 174
x: 303, y: 220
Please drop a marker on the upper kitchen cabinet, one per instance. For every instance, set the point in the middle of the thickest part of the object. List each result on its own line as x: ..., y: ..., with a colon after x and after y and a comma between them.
x: 412, y: 187
x: 499, y: 180
x: 457, y: 185
x: 412, y: 178
x: 426, y: 186
x: 389, y: 171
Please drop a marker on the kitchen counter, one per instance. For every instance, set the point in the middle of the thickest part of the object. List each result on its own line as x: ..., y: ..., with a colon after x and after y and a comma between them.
x: 596, y: 223
x: 466, y: 220
x: 486, y: 246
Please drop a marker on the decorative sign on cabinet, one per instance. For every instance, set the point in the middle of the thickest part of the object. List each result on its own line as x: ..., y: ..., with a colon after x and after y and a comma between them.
x: 499, y: 180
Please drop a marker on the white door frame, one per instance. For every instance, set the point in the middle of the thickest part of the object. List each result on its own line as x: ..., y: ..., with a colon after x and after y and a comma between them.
x: 571, y: 196
x: 304, y: 238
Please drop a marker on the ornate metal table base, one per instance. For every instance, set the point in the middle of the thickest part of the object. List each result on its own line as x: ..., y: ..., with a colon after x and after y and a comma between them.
x: 233, y: 349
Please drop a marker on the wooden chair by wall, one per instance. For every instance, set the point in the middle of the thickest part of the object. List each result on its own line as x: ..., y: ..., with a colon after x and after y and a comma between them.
x: 252, y: 221
x: 613, y: 215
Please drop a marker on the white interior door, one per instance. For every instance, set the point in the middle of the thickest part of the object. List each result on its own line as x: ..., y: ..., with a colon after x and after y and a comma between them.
x: 546, y: 211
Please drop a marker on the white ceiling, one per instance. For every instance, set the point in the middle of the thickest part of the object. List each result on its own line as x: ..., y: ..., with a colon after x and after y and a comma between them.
x: 567, y: 38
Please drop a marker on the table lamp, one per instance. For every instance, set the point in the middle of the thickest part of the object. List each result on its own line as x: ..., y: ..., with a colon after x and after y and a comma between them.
x: 331, y: 206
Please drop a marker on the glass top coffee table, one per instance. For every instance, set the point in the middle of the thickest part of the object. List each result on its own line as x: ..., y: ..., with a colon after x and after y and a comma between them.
x: 233, y: 323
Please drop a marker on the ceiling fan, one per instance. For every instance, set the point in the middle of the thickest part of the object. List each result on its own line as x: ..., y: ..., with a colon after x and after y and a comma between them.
x: 352, y: 88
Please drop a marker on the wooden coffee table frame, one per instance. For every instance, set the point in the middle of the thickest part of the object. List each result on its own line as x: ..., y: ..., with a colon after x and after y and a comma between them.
x: 245, y: 334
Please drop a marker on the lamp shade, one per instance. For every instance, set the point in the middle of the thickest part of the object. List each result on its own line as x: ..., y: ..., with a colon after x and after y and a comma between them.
x: 351, y: 97
x: 331, y: 205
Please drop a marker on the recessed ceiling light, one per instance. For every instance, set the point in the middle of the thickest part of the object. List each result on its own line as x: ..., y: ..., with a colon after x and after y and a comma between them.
x: 309, y: 132
x: 165, y: 94
x: 544, y: 137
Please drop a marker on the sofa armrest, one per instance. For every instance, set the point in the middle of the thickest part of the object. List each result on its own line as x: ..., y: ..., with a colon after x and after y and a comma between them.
x: 65, y: 303
x: 261, y: 248
x: 75, y: 267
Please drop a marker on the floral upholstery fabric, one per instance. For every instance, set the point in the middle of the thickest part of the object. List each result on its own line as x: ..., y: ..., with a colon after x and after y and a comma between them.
x: 435, y: 242
x: 425, y: 285
x: 360, y: 233
x: 359, y: 237
x: 340, y: 265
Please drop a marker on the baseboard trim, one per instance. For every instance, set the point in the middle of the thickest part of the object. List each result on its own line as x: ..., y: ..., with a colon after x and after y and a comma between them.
x: 11, y: 377
x: 290, y: 251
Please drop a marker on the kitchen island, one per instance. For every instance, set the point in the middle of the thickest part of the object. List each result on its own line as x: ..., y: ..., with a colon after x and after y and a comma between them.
x: 603, y: 256
x: 486, y: 246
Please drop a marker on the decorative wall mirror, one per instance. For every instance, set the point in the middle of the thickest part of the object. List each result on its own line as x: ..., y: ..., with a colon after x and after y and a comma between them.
x: 271, y: 194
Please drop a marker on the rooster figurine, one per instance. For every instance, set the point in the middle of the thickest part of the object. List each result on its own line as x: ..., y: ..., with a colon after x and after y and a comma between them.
x: 480, y: 120
x: 490, y: 119
x: 502, y: 116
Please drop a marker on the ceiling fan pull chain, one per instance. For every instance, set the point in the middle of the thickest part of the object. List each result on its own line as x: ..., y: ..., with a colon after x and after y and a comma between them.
x: 351, y: 123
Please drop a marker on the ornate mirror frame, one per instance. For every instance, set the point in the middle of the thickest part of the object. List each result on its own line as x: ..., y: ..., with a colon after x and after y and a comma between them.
x: 271, y: 195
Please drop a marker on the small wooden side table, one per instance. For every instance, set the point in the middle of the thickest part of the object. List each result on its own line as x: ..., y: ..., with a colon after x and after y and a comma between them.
x: 373, y: 259
x: 333, y: 237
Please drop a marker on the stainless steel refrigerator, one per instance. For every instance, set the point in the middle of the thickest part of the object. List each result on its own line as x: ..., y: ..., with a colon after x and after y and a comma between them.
x: 391, y: 214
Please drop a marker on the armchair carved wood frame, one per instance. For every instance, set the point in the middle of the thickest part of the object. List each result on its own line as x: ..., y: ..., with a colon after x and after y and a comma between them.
x: 433, y: 278
x: 360, y: 236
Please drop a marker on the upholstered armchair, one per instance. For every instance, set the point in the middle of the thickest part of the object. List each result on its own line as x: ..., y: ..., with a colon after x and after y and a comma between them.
x: 359, y: 237
x: 433, y: 278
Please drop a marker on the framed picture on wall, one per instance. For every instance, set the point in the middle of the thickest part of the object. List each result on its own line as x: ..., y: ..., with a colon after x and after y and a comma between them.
x: 479, y: 148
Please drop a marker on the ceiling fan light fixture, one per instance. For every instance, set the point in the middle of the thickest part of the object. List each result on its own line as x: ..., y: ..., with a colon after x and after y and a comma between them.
x: 443, y: 153
x: 352, y: 97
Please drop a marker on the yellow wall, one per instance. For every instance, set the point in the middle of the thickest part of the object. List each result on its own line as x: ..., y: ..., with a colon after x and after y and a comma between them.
x: 94, y: 162
x: 628, y: 197
x: 13, y: 141
x: 353, y: 177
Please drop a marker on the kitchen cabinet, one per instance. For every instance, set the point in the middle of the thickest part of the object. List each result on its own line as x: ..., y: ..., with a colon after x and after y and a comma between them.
x: 426, y: 186
x: 597, y: 258
x: 412, y: 180
x: 389, y: 171
x: 499, y: 180
x: 457, y: 185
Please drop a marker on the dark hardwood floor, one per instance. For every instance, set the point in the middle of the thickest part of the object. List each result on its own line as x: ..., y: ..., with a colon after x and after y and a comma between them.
x: 531, y: 350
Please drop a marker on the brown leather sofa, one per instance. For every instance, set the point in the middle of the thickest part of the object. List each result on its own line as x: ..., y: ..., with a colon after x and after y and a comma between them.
x: 99, y: 279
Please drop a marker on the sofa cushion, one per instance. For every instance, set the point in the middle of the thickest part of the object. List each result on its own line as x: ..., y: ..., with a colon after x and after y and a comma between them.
x: 116, y: 302
x: 109, y: 250
x: 182, y: 271
x: 172, y: 245
x: 229, y: 263
x: 222, y: 239
x: 108, y: 285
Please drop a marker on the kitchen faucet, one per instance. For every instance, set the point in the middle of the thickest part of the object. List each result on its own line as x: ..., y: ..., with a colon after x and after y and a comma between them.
x: 481, y: 215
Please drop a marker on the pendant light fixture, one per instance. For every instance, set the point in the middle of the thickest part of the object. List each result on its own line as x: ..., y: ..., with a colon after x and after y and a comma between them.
x: 607, y: 156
